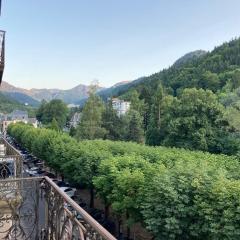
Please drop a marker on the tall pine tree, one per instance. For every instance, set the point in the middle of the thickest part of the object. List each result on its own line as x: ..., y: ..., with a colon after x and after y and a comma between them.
x: 90, y: 126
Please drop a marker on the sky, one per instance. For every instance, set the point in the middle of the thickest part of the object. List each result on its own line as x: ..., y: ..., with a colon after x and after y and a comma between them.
x: 63, y: 43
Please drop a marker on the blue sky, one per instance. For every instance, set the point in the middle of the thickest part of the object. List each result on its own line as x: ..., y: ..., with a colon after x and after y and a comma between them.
x: 60, y: 44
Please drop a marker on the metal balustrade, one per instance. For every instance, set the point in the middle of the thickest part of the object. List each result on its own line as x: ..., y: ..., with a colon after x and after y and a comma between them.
x: 36, y: 208
x: 11, y: 162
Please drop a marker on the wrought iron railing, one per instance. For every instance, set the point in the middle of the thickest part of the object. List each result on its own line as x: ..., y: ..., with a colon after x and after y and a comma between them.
x: 10, y: 150
x: 36, y: 208
x: 11, y: 162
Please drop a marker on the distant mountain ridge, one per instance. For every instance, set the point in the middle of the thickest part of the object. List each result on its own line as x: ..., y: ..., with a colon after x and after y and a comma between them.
x: 22, y: 98
x: 79, y: 94
x: 8, y: 104
x: 69, y: 96
x: 208, y: 70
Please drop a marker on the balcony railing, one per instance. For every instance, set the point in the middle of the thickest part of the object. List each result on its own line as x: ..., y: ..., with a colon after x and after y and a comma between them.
x: 11, y: 162
x: 36, y: 208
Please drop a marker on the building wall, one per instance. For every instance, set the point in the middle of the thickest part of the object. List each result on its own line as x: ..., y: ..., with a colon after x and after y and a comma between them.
x: 120, y: 106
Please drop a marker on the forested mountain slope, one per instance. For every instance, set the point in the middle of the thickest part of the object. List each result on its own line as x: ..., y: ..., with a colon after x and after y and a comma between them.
x: 7, y: 105
x: 211, y: 71
x: 189, y: 57
x: 22, y: 98
x: 194, y: 105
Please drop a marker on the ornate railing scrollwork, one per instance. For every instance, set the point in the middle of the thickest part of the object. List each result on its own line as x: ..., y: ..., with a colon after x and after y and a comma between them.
x: 35, y: 208
x: 19, y: 206
x: 63, y: 223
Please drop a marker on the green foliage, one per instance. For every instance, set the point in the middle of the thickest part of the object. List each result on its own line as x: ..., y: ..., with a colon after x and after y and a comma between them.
x: 154, y: 126
x: 91, y: 120
x: 175, y: 193
x: 72, y: 131
x: 136, y: 103
x: 218, y: 71
x: 134, y: 127
x: 55, y: 109
x: 54, y: 125
x: 198, y: 203
x: 204, y: 72
x: 193, y: 120
x: 115, y: 126
x: 7, y: 105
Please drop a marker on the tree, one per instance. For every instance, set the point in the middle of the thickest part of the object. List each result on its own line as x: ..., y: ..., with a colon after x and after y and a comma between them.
x: 54, y: 109
x: 137, y: 104
x: 90, y: 126
x: 113, y: 123
x: 134, y: 126
x: 153, y: 129
x: 119, y: 183
x: 209, y: 81
x: 175, y: 193
x: 72, y: 131
x: 194, y: 120
x: 54, y: 125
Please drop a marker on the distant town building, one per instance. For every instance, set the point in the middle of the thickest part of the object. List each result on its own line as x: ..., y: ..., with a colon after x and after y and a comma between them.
x: 15, y: 117
x: 120, y: 106
x: 19, y: 115
x: 33, y: 121
x: 75, y: 120
x: 71, y: 105
x: 2, y: 117
x: 6, y: 123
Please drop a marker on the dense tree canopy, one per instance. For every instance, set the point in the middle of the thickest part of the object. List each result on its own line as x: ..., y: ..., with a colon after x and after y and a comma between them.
x: 178, y: 108
x: 174, y: 193
x: 55, y: 109
x: 90, y: 126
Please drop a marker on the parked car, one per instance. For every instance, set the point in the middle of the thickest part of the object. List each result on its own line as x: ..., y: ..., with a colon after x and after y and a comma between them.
x: 69, y: 191
x: 32, y: 171
x: 39, y: 173
x: 50, y: 175
x: 61, y: 183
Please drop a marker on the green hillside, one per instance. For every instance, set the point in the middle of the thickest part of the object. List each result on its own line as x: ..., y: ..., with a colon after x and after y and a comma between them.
x: 7, y: 105
x: 22, y: 98
x: 212, y: 71
x: 194, y: 104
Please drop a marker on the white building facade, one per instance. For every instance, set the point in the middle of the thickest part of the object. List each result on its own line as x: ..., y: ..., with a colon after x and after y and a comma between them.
x: 120, y: 106
x: 15, y: 117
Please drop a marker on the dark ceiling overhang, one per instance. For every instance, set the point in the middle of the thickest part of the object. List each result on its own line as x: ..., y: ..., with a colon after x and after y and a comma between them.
x: 2, y: 49
x: 2, y: 53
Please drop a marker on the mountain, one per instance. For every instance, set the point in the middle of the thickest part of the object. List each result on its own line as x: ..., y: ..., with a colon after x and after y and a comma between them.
x: 73, y: 95
x: 22, y: 98
x: 70, y: 96
x: 76, y: 95
x: 20, y: 95
x: 189, y: 57
x: 121, y: 83
x: 198, y: 69
x: 6, y: 87
x: 118, y: 88
x: 212, y: 70
x: 7, y: 104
